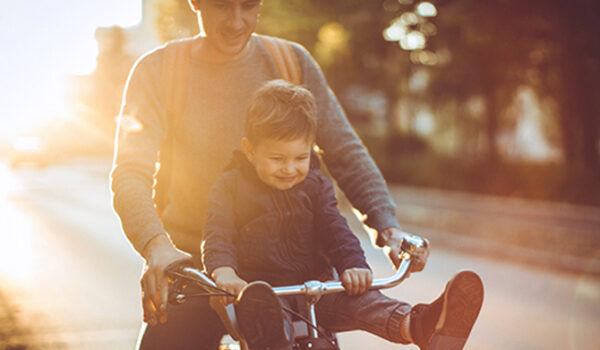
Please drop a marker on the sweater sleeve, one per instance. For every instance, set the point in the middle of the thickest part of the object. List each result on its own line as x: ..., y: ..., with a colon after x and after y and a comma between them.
x: 218, y: 248
x: 345, y: 155
x: 140, y: 131
x: 339, y: 242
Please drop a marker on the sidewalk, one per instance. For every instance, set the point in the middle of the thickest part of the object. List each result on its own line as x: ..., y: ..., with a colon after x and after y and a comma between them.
x: 12, y: 331
x: 549, y: 235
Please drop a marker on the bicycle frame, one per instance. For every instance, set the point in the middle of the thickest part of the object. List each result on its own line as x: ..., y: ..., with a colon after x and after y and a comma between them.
x: 312, y: 289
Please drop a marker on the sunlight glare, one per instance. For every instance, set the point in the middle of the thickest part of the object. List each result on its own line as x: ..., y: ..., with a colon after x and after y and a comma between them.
x: 426, y: 9
x: 130, y: 124
x: 48, y: 42
x: 17, y: 256
x: 414, y: 40
x: 395, y: 32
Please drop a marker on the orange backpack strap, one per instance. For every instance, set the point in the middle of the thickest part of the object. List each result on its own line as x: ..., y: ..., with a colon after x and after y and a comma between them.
x: 284, y: 57
x: 174, y: 76
x: 174, y: 81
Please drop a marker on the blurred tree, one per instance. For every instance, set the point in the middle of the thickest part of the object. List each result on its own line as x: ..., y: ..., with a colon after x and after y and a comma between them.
x: 496, y: 46
x: 175, y: 20
x: 100, y: 98
x: 485, y: 60
x: 567, y: 68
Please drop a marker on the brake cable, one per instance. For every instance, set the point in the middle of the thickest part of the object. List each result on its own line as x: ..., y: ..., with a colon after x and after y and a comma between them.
x: 224, y: 293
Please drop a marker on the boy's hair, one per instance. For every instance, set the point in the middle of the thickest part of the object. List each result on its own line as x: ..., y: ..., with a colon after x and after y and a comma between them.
x: 281, y: 111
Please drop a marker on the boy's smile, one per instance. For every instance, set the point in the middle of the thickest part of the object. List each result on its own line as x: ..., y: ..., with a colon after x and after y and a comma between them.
x: 280, y: 164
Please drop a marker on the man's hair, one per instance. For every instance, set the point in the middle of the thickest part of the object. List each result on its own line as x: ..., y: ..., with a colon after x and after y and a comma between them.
x: 281, y: 111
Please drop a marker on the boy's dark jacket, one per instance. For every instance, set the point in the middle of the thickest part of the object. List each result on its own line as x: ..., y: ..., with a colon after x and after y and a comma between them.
x: 282, y: 237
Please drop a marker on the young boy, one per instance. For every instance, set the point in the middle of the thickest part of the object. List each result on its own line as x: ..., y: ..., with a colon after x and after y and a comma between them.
x: 273, y: 217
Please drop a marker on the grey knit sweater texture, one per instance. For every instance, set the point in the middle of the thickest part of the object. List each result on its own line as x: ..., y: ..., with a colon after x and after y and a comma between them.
x: 210, y: 128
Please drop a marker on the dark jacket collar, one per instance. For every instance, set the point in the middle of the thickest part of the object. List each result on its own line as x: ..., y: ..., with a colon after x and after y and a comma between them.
x: 239, y: 161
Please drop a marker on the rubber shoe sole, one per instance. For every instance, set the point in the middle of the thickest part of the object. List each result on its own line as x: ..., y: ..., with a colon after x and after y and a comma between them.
x: 260, y: 318
x: 463, y: 298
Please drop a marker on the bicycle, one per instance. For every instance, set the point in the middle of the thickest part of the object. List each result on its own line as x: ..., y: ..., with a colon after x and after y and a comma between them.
x: 307, y: 333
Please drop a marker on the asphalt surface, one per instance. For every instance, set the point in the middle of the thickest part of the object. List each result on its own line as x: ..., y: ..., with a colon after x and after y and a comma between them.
x: 69, y: 279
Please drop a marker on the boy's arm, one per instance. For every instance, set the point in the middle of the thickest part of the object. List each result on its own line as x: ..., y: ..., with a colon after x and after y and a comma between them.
x: 218, y: 248
x: 339, y: 243
x: 219, y: 253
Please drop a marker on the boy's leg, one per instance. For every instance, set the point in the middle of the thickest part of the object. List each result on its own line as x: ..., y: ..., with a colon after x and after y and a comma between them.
x: 261, y: 319
x: 444, y: 324
x: 191, y: 325
x: 372, y: 312
x: 447, y: 322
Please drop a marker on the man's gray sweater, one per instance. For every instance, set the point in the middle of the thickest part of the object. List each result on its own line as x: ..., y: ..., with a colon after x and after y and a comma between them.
x: 211, y: 127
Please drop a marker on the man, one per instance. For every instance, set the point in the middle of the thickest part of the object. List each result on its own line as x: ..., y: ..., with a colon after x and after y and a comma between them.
x: 227, y: 65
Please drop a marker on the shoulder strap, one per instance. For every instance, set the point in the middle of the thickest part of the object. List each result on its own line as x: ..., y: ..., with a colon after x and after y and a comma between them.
x: 174, y: 76
x: 284, y: 57
x: 174, y: 80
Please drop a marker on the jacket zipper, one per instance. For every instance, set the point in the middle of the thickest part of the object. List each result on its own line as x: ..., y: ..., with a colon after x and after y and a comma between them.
x: 282, y: 240
x: 290, y: 221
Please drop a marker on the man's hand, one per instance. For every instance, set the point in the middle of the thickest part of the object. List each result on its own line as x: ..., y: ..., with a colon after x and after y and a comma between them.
x: 159, y: 254
x: 226, y: 278
x: 356, y: 281
x: 393, y: 239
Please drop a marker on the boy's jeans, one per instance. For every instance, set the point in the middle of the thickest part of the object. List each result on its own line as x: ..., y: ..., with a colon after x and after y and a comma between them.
x: 194, y: 325
x: 372, y: 312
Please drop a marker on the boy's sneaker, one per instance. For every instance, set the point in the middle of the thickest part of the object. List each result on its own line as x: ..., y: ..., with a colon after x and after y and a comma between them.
x: 261, y: 319
x: 446, y: 323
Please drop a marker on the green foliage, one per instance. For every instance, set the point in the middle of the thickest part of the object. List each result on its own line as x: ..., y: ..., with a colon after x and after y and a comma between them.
x: 496, y: 46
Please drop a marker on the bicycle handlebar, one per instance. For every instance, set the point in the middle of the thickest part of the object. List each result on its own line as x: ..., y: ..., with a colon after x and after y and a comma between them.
x: 317, y: 288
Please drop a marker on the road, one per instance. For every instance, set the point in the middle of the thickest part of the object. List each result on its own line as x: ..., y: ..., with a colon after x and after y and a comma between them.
x: 69, y: 279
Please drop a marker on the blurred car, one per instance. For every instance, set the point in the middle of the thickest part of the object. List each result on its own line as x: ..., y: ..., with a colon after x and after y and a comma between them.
x: 29, y: 151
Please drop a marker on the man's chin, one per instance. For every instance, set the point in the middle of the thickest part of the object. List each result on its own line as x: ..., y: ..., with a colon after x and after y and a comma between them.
x: 233, y: 47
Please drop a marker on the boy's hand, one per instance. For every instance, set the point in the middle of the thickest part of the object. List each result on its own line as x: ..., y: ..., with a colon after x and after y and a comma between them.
x: 357, y: 280
x: 226, y: 278
x: 393, y: 238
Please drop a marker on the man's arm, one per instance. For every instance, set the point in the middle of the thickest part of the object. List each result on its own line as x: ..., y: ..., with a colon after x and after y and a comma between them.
x: 345, y: 155
x: 141, y: 129
x: 351, y: 165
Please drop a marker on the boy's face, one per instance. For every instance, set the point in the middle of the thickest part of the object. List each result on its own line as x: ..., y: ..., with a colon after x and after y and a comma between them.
x: 278, y: 163
x: 228, y: 24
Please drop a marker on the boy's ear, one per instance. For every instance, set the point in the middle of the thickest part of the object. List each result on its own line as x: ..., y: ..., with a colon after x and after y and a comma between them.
x: 248, y: 149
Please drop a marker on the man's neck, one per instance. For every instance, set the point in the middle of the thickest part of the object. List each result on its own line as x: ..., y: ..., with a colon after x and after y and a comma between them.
x: 203, y: 50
